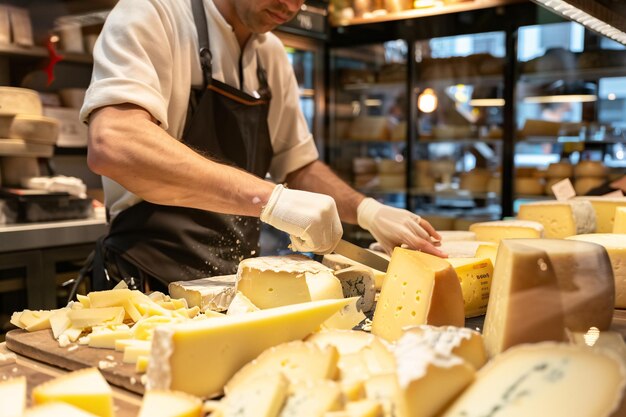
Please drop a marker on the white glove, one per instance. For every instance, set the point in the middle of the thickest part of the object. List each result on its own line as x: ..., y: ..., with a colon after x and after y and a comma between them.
x: 311, y: 219
x: 393, y: 227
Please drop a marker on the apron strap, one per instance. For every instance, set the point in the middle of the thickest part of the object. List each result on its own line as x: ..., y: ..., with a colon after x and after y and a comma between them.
x: 204, y: 47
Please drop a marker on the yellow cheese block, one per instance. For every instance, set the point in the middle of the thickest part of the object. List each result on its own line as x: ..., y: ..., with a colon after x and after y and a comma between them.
x: 619, y: 225
x: 170, y: 404
x: 312, y: 399
x: 384, y: 389
x: 263, y: 397
x: 324, y: 286
x: 199, y: 357
x: 541, y: 287
x: 106, y: 339
x: 449, y: 340
x: 13, y: 397
x: 495, y: 231
x: 546, y: 379
x: 56, y: 410
x: 141, y: 366
x: 86, y: 389
x: 419, y: 289
x: 347, y: 341
x: 59, y: 322
x: 615, y: 245
x: 133, y: 352
x: 560, y: 219
x: 604, y: 208
x: 456, y: 235
x: 297, y: 360
x: 361, y: 408
x: 475, y: 277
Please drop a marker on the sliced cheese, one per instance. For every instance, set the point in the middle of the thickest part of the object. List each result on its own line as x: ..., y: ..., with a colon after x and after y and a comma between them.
x: 226, y: 344
x: 475, y: 278
x: 419, y: 289
x: 86, y: 389
x: 106, y: 339
x: 312, y: 399
x: 560, y: 219
x: 89, y: 317
x: 170, y: 404
x: 337, y: 262
x: 59, y: 322
x: 495, y: 231
x: 449, y: 340
x: 619, y: 225
x: 298, y: 361
x: 358, y: 282
x: 56, y: 410
x: 240, y: 304
x: 212, y: 293
x: 615, y: 245
x: 545, y: 379
x: 604, y: 208
x: 13, y: 397
x: 33, y: 320
x: 346, y: 341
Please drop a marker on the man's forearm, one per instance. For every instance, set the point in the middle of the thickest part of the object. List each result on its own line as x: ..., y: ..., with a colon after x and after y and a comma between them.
x: 318, y: 177
x: 128, y: 147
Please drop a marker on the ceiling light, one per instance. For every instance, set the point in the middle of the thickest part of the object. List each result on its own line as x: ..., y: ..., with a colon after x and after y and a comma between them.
x: 427, y: 101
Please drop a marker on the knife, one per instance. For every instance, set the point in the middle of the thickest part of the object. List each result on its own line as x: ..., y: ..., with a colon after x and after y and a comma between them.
x: 364, y: 256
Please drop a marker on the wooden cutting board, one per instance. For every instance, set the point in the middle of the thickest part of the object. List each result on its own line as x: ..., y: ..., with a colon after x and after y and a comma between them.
x: 42, y: 346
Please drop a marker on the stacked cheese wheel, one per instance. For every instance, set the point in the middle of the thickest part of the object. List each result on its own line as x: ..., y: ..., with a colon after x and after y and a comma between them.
x: 21, y: 117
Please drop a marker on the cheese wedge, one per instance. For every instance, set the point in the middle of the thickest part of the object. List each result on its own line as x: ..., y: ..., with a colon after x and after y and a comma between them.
x: 337, y: 262
x: 56, y: 410
x: 13, y: 397
x: 419, y: 289
x: 312, y: 399
x: 475, y: 278
x: 297, y: 360
x: 495, y: 231
x: 604, y: 208
x: 263, y: 397
x: 106, y: 339
x: 619, y: 225
x: 212, y: 293
x: 465, y: 343
x: 59, y: 322
x: 33, y: 320
x: 240, y: 304
x: 347, y: 318
x: 560, y: 219
x: 324, y: 286
x: 226, y: 344
x: 86, y: 389
x: 615, y: 245
x: 170, y: 404
x: 89, y: 317
x: 546, y: 379
x: 358, y: 282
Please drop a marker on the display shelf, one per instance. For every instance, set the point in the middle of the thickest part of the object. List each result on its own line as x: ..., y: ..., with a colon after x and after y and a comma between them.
x: 38, y: 52
x: 374, y: 87
x: 18, y: 147
x: 466, y: 141
x: 567, y: 139
x: 355, y: 142
x: 482, y: 80
x: 573, y: 75
x: 460, y: 194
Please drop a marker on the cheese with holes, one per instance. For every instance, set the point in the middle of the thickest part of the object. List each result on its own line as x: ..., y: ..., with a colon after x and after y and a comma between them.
x: 240, y: 304
x: 428, y: 379
x: 450, y: 340
x: 170, y: 404
x: 212, y: 293
x: 298, y: 361
x: 56, y: 410
x: 615, y: 245
x: 419, y: 289
x: 86, y: 389
x: 273, y: 281
x: 13, y: 397
x: 226, y: 344
x: 560, y: 219
x: 497, y: 230
x: 619, y: 225
x: 359, y: 282
x: 475, y: 278
x: 262, y: 397
x: 312, y: 399
x: 337, y: 262
x: 541, y: 287
x: 604, y: 208
x: 546, y: 380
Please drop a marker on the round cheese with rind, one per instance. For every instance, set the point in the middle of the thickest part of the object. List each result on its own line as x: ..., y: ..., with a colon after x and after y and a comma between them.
x: 15, y: 100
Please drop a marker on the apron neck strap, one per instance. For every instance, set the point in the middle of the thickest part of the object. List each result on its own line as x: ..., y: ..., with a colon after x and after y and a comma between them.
x: 204, y: 47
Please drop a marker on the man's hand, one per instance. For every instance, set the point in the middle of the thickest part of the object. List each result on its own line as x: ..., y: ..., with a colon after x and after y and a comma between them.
x: 311, y: 219
x: 393, y: 227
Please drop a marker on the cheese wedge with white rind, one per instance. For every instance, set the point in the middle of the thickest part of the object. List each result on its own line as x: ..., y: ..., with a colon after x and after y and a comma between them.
x: 199, y: 357
x: 419, y: 289
x: 13, y: 397
x: 56, y: 410
x: 449, y: 340
x: 546, y: 380
x: 15, y: 101
x: 604, y: 208
x: 170, y: 404
x: 212, y: 293
x: 475, y: 277
x: 86, y: 389
x: 615, y: 245
x: 297, y: 361
x: 495, y: 231
x: 560, y: 219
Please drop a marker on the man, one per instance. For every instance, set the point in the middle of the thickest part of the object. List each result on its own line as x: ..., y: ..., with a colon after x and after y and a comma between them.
x: 184, y: 170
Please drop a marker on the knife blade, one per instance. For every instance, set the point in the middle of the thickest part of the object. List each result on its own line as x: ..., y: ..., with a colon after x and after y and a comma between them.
x: 364, y: 256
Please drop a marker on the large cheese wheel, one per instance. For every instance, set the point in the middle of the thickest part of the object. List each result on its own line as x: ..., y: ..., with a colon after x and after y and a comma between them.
x: 36, y: 129
x: 590, y: 169
x: 560, y: 170
x: 391, y: 167
x: 583, y: 185
x: 604, y: 208
x: 560, y: 219
x: 528, y: 186
x: 19, y: 101
x: 475, y: 181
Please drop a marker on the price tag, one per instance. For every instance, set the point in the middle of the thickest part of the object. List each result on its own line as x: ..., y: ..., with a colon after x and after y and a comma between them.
x: 564, y: 190
x: 616, y: 193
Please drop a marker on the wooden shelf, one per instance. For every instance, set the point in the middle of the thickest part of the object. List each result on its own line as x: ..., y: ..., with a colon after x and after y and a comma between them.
x: 574, y: 75
x: 39, y: 52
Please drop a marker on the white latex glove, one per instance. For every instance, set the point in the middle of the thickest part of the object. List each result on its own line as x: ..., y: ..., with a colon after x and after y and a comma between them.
x: 393, y: 227
x: 311, y: 219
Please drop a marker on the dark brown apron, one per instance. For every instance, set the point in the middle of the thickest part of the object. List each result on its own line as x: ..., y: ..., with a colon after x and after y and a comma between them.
x: 176, y: 243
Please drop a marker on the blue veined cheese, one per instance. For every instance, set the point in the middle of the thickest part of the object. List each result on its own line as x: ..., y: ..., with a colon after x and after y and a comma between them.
x: 546, y: 380
x: 358, y: 282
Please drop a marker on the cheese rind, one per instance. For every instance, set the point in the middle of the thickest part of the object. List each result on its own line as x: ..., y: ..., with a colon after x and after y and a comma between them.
x: 226, y: 344
x: 615, y: 245
x: 419, y: 289
x: 212, y: 293
x: 560, y: 219
x: 604, y: 208
x: 545, y: 379
x: 495, y: 231
x: 337, y: 262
